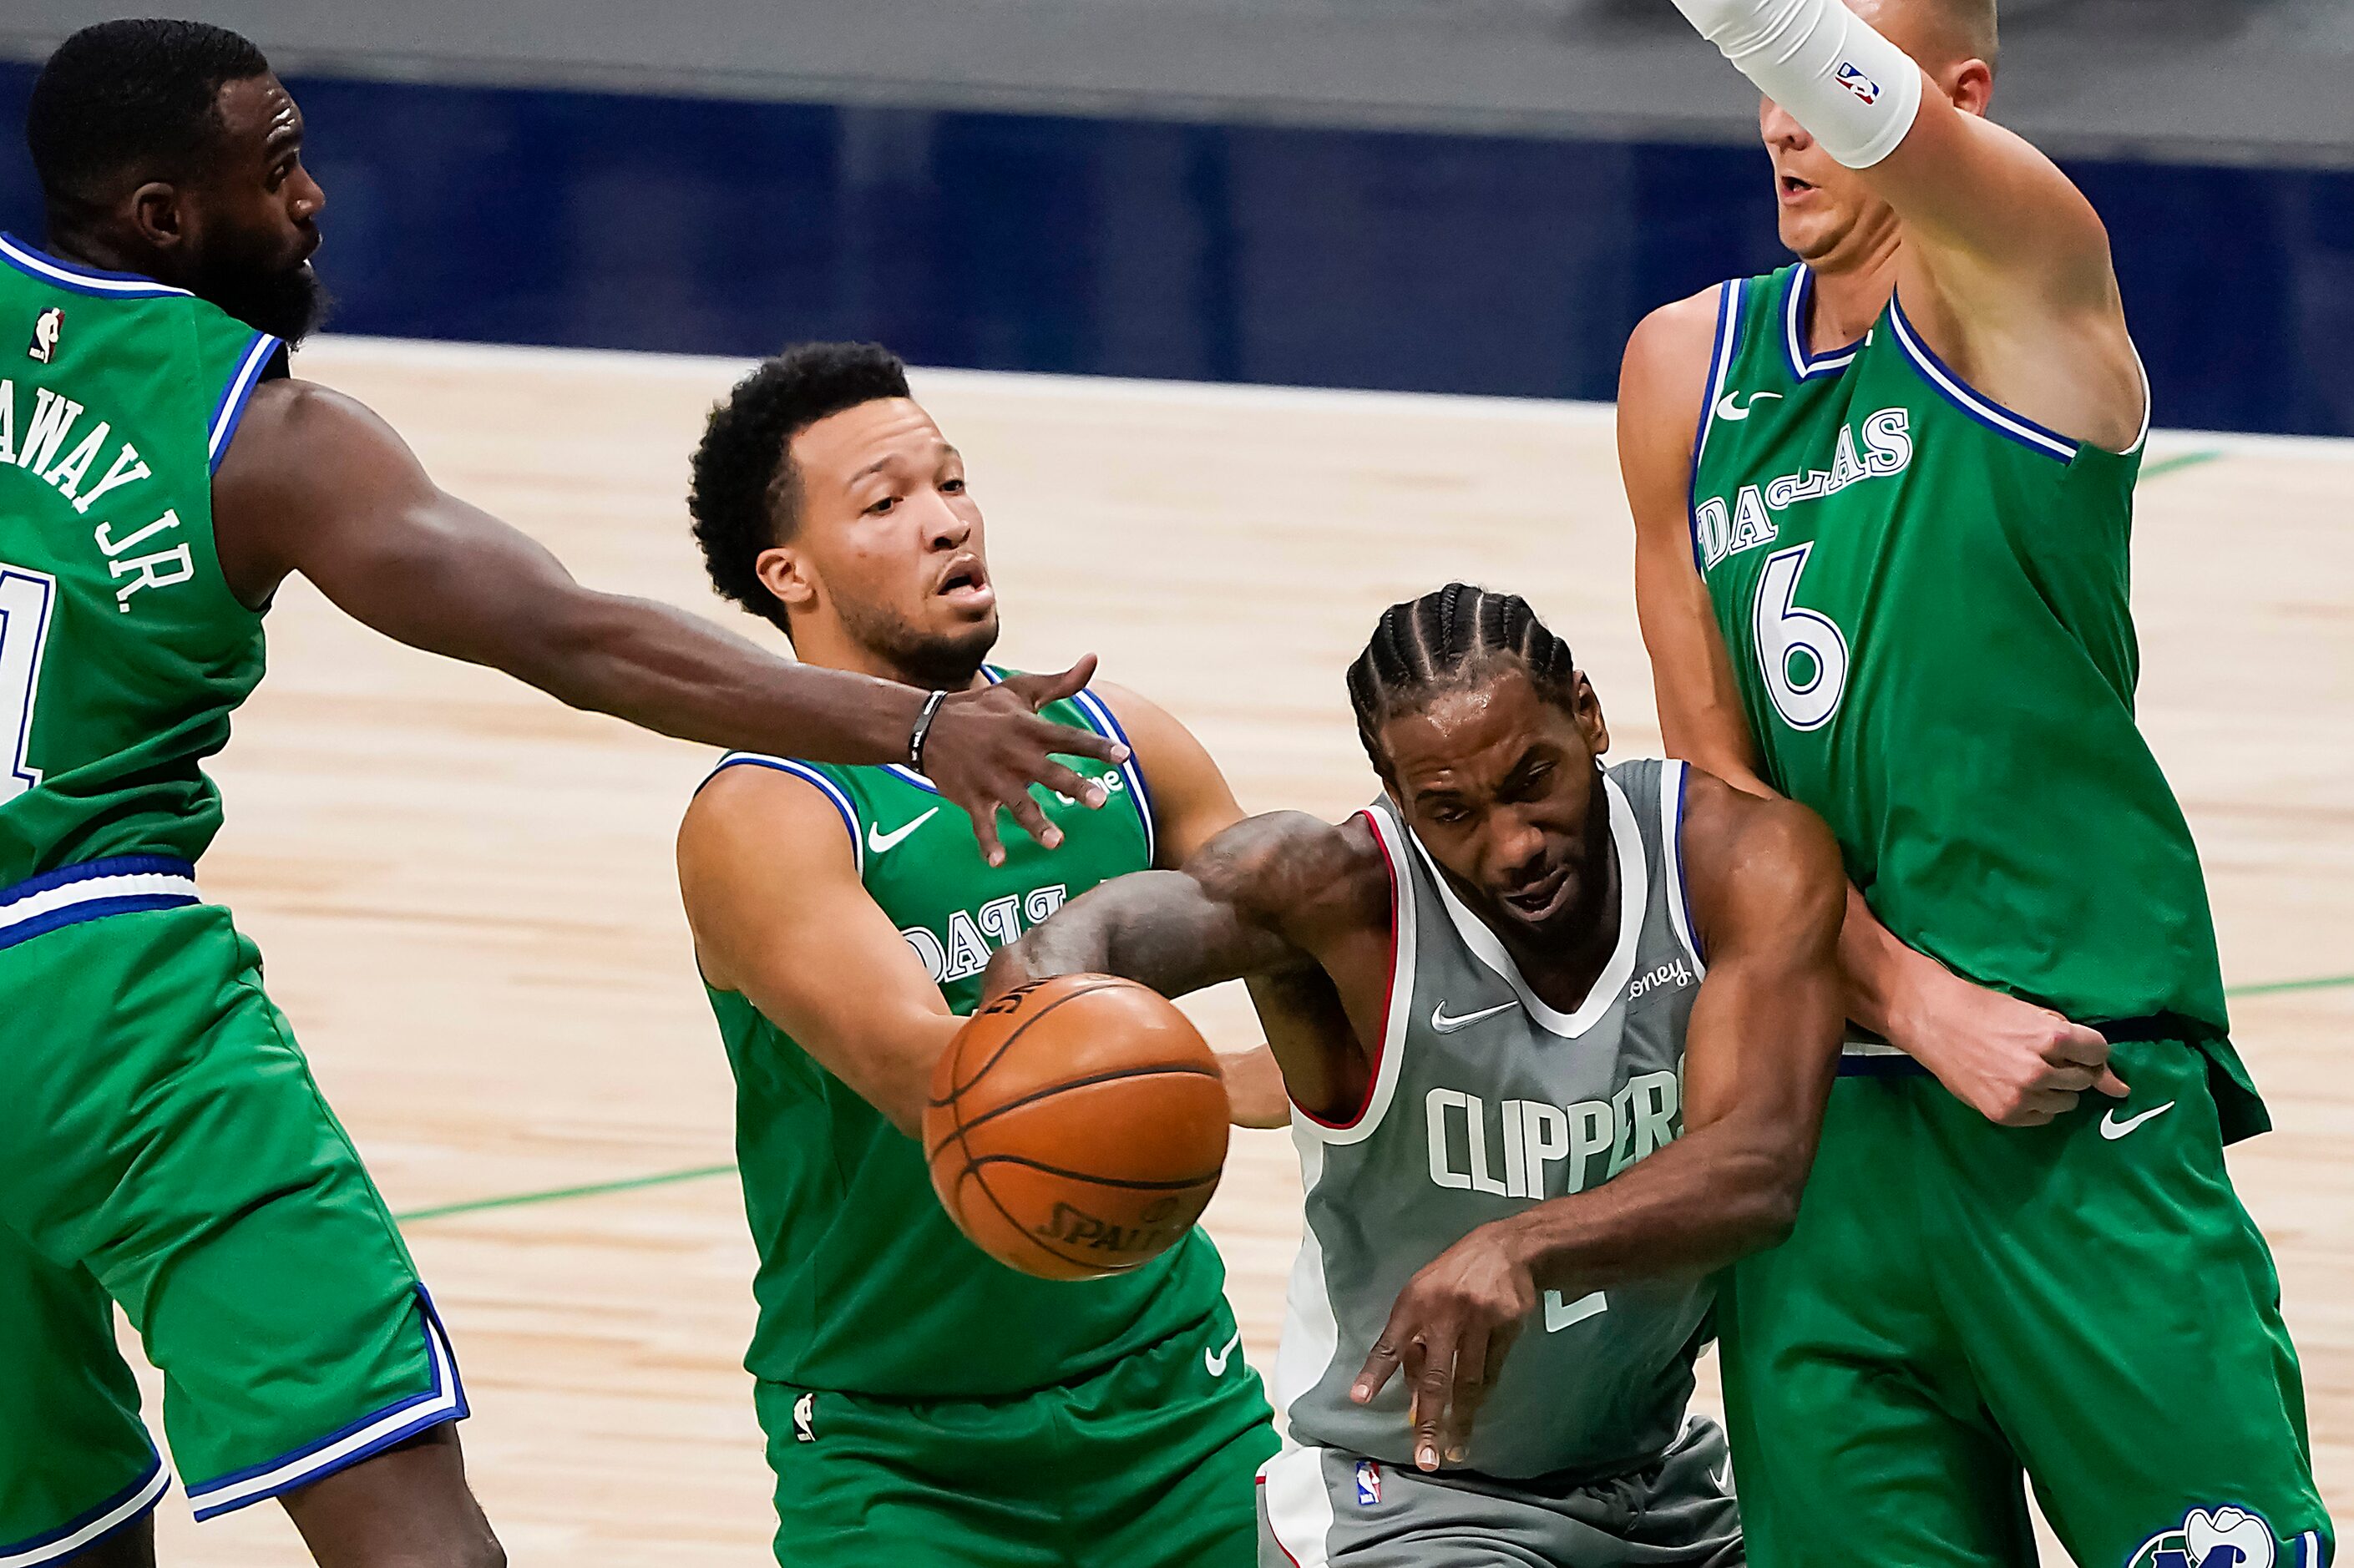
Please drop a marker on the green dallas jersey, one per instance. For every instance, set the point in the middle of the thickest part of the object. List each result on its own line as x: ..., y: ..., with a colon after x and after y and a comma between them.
x: 121, y: 650
x: 865, y: 1285
x: 1924, y: 599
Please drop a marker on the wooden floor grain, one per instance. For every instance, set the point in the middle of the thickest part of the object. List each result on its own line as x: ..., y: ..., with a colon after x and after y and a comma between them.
x: 464, y: 892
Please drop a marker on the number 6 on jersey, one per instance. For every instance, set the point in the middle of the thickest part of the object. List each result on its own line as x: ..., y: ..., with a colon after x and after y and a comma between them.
x: 1801, y: 654
x: 25, y: 600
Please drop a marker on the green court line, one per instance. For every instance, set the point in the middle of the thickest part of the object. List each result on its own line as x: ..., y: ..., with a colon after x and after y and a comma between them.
x: 592, y: 1190
x: 2279, y: 988
x: 699, y: 1173
x: 2179, y: 461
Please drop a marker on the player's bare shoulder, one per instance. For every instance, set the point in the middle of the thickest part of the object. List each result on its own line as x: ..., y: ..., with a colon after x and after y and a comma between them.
x: 1755, y: 860
x: 1663, y: 374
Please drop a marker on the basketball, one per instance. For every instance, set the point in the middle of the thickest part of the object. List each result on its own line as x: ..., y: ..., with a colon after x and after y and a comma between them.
x: 1077, y: 1127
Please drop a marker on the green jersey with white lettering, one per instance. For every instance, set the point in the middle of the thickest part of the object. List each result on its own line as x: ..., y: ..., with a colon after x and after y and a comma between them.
x: 1925, y: 597
x: 864, y: 1284
x: 123, y: 652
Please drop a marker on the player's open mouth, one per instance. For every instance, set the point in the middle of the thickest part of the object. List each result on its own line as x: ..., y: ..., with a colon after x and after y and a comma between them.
x: 966, y: 584
x: 1793, y: 187
x: 1541, y: 897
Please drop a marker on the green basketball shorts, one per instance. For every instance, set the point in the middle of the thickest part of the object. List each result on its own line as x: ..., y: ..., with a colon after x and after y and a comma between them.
x: 1148, y: 1464
x: 169, y: 1153
x: 2086, y: 1304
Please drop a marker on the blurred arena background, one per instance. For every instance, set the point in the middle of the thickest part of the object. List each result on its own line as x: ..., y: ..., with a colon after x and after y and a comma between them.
x: 466, y: 892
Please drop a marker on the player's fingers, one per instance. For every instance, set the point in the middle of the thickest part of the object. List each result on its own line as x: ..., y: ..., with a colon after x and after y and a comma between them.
x: 983, y: 813
x: 2075, y: 1043
x: 1070, y: 785
x: 1043, y: 689
x: 1465, y: 1392
x: 1032, y: 820
x: 1433, y: 1381
x: 2046, y: 1105
x: 1379, y: 1368
x: 2109, y: 1083
x: 2070, y: 1079
x: 1069, y: 740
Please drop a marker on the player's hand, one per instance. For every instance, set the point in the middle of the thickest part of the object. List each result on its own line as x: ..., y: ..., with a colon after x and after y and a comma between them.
x: 1448, y: 1334
x: 2014, y: 1062
x: 987, y: 746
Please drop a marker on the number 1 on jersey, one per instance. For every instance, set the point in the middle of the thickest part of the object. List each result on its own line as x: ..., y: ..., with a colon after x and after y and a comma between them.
x: 1801, y: 656
x: 26, y: 597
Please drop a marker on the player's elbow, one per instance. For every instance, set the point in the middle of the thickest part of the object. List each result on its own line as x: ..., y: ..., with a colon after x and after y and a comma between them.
x: 1768, y: 1178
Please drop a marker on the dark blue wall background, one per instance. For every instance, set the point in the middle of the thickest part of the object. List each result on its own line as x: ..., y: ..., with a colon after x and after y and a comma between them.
x: 1207, y: 252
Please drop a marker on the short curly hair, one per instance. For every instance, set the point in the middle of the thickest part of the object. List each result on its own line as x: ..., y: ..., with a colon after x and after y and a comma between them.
x: 128, y: 101
x: 743, y: 498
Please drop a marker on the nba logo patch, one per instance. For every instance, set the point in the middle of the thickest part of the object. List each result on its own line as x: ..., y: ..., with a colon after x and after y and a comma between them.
x: 47, y: 327
x: 1866, y: 90
x: 1368, y: 1483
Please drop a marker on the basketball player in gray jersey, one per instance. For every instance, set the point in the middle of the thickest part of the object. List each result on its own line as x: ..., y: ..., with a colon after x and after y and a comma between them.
x: 1580, y: 1026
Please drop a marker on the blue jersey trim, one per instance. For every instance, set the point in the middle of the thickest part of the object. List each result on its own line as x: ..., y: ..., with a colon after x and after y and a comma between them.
x: 1683, y: 882
x: 1109, y: 727
x: 95, y: 909
x: 108, y: 1520
x: 1728, y: 341
x: 445, y: 1401
x: 90, y: 870
x: 2017, y: 427
x: 229, y: 412
x: 808, y: 775
x: 71, y: 276
x: 1802, y: 365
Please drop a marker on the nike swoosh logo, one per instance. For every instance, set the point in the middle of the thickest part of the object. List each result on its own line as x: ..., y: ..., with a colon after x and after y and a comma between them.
x: 2113, y: 1129
x: 1729, y: 406
x: 1445, y: 1025
x: 883, y: 844
x: 1216, y: 1359
x: 1724, y: 1477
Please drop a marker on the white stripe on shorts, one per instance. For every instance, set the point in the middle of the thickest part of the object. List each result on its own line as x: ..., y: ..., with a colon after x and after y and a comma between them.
x: 1299, y: 1508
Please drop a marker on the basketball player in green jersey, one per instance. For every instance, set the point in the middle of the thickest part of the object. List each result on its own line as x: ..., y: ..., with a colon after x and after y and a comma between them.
x: 164, y: 1145
x: 1882, y: 500
x: 926, y: 1406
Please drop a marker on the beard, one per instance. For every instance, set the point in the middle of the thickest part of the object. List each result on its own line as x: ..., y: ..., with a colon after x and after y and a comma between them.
x: 287, y: 303
x: 938, y: 662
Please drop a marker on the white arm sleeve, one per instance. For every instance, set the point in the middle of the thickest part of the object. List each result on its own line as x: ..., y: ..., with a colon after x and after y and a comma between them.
x: 1853, y: 90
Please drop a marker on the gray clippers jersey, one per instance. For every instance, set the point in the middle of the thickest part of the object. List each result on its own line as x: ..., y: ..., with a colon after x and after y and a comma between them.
x: 1485, y: 1100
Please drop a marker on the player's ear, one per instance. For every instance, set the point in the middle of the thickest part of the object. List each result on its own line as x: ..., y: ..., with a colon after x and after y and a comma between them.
x: 1586, y: 708
x: 156, y: 213
x: 1971, y: 86
x: 787, y: 573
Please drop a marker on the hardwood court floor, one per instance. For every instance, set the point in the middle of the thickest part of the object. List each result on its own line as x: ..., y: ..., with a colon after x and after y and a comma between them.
x: 466, y: 898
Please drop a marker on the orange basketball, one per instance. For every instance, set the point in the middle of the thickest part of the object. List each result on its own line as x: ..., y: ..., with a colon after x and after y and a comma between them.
x: 1077, y: 1127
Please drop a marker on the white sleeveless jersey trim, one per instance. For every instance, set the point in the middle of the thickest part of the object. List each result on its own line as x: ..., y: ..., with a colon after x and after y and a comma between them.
x: 1803, y: 366
x: 1397, y: 1006
x: 1311, y: 1334
x: 1299, y: 1508
x: 1671, y: 837
x: 1633, y: 896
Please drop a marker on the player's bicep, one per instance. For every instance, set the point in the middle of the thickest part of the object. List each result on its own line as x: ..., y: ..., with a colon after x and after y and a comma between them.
x: 1968, y: 189
x: 317, y: 484
x: 769, y: 877
x: 1764, y: 1035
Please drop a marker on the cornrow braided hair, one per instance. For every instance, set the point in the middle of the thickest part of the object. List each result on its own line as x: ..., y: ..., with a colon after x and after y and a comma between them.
x: 1450, y: 641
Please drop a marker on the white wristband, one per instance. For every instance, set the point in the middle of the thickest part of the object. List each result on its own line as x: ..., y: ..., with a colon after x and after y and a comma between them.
x: 1854, y: 91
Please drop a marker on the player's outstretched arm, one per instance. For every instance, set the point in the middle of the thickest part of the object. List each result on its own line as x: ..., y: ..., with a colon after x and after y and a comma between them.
x: 1762, y: 1048
x: 316, y: 483
x: 1192, y: 804
x: 1283, y: 901
x: 2007, y: 269
x: 771, y: 884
